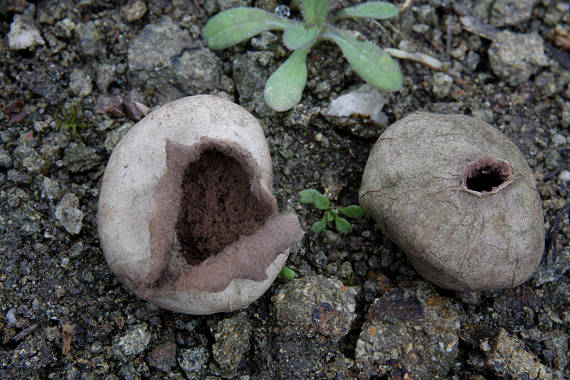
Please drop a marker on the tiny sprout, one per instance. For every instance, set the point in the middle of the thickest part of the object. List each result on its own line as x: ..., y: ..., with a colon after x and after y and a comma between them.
x: 331, y: 214
x: 287, y: 273
x: 284, y: 87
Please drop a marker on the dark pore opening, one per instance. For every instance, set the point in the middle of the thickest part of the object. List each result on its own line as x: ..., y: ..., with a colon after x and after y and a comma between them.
x: 216, y: 206
x: 486, y: 174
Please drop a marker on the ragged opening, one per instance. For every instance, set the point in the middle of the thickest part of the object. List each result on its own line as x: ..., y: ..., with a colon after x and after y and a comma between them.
x: 216, y: 206
x: 487, y: 175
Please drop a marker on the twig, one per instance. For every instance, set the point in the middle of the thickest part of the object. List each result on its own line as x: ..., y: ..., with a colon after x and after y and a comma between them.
x: 25, y: 332
x: 425, y: 59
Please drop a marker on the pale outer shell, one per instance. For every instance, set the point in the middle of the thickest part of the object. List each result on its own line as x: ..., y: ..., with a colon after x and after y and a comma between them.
x: 134, y: 169
x: 412, y: 187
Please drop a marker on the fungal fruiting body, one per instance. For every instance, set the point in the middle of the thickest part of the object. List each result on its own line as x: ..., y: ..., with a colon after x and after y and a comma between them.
x: 458, y: 197
x: 186, y: 215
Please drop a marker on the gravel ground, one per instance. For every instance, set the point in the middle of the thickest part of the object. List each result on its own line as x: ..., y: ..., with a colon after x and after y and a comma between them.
x: 76, y: 76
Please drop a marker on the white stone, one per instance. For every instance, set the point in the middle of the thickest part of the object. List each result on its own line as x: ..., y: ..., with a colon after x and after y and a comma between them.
x: 24, y: 34
x: 69, y: 214
x: 366, y: 101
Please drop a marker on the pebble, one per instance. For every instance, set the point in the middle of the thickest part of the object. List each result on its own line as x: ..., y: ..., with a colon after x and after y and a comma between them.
x: 80, y: 158
x: 197, y: 70
x: 134, y: 10
x: 564, y: 176
x: 69, y: 214
x: 516, y: 56
x: 105, y: 75
x: 193, y: 361
x: 511, y: 12
x: 89, y: 39
x: 232, y: 342
x: 366, y: 101
x: 509, y: 358
x: 135, y: 340
x: 442, y: 85
x: 163, y: 357
x: 80, y: 83
x: 413, y: 329
x: 5, y: 159
x: 315, y: 305
x: 115, y: 136
x: 11, y: 316
x: 23, y: 32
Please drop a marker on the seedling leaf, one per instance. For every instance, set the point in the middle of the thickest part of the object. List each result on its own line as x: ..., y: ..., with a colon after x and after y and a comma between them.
x: 299, y: 35
x: 321, y: 202
x: 379, y: 10
x: 319, y: 226
x: 373, y: 64
x: 330, y: 216
x: 287, y: 273
x: 352, y: 211
x: 314, y: 11
x: 235, y: 25
x: 284, y: 87
x: 307, y: 196
x: 342, y: 225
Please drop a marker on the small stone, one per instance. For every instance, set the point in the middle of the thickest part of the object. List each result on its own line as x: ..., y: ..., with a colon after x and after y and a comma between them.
x: 5, y: 159
x: 564, y: 176
x: 163, y: 357
x: 50, y: 189
x: 135, y: 340
x: 80, y: 158
x: 511, y: 12
x: 232, y: 342
x: 105, y: 74
x: 80, y: 83
x: 516, y: 56
x: 366, y: 101
x: 197, y: 70
x: 110, y: 104
x: 69, y: 214
x: 509, y: 358
x: 559, y: 140
x: 18, y: 177
x: 23, y: 33
x: 315, y: 304
x: 442, y: 85
x: 134, y: 10
x: 89, y: 39
x: 115, y: 136
x: 193, y: 361
x: 30, y: 159
x: 11, y: 316
x: 411, y: 329
x: 65, y: 28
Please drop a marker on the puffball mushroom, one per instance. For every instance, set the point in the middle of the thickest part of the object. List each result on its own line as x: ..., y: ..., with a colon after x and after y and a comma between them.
x: 186, y: 215
x: 458, y: 197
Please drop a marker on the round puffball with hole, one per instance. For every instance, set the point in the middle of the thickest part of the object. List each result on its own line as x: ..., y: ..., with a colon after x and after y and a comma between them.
x: 186, y: 217
x: 457, y: 196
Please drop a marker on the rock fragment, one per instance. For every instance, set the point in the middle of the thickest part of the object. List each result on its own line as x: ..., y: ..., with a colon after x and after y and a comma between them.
x: 516, y: 56
x: 232, y: 342
x: 411, y: 329
x: 24, y: 34
x: 69, y: 214
x: 315, y: 304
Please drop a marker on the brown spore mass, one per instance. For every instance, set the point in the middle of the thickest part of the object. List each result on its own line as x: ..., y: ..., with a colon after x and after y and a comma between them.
x: 216, y: 206
x: 487, y: 174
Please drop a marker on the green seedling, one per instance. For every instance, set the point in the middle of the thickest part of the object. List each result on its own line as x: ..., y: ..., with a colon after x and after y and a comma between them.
x: 285, y: 86
x: 331, y: 214
x: 287, y: 273
x: 72, y: 119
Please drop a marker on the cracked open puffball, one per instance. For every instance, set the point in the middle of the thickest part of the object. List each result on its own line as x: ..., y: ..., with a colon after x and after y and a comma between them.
x: 186, y: 215
x: 458, y: 197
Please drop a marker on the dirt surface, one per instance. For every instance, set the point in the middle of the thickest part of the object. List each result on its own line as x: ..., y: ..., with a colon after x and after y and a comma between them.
x: 92, y: 67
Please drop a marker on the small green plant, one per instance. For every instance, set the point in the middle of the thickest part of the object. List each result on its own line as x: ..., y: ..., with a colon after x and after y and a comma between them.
x: 71, y: 119
x: 285, y: 86
x: 287, y: 273
x: 332, y: 214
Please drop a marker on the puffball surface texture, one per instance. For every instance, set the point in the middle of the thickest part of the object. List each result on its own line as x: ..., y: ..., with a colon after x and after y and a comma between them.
x: 458, y: 197
x: 186, y: 215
